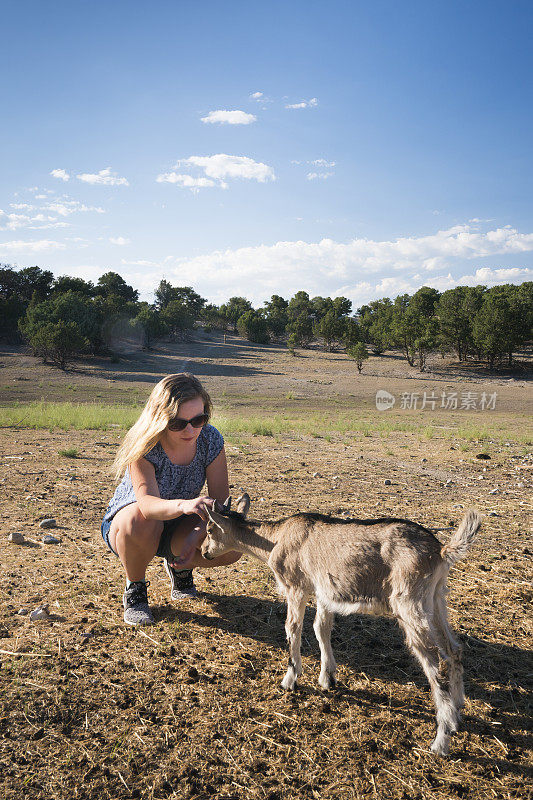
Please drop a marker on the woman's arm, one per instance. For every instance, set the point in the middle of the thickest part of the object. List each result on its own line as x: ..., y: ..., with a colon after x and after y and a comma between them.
x: 217, y: 477
x: 150, y: 503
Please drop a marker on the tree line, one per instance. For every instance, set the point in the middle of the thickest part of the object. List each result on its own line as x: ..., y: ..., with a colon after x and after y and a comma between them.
x: 63, y: 318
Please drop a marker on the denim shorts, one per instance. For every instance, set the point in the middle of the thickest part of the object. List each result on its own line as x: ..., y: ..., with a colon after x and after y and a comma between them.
x: 164, y: 543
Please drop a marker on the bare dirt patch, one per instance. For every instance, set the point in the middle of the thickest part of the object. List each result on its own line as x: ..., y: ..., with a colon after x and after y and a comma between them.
x: 192, y: 708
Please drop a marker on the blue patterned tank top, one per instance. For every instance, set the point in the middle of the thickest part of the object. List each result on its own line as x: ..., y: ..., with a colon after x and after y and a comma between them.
x: 182, y: 481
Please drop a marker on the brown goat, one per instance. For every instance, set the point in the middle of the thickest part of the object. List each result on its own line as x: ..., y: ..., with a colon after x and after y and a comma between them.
x: 370, y: 566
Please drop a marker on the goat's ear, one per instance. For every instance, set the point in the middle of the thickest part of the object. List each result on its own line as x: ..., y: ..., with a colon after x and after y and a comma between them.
x: 219, y: 520
x: 243, y: 504
x: 222, y: 508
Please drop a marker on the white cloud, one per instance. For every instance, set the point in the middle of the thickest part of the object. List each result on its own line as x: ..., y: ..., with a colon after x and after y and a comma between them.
x: 140, y: 263
x: 321, y: 162
x: 328, y: 267
x: 229, y: 117
x: 311, y: 176
x: 491, y: 277
x: 216, y: 169
x: 30, y: 247
x: 120, y: 240
x: 45, y: 215
x: 304, y: 104
x: 60, y: 173
x: 187, y: 181
x: 257, y: 96
x: 105, y: 177
x: 64, y: 207
x: 10, y: 221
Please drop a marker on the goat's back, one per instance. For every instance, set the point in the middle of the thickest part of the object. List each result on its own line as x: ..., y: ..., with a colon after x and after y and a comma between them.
x: 354, y: 560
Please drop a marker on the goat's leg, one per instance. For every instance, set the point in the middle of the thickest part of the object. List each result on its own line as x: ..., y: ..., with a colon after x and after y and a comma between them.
x: 453, y: 650
x: 296, y: 602
x: 322, y: 626
x: 424, y: 646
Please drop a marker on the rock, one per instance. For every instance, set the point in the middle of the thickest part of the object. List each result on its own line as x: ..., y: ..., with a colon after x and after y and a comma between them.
x: 520, y: 485
x: 49, y: 539
x: 493, y: 514
x: 424, y: 460
x: 48, y: 523
x: 41, y: 612
x: 316, y: 474
x: 448, y: 482
x: 16, y: 538
x: 494, y: 491
x: 22, y: 612
x: 483, y: 456
x: 387, y: 482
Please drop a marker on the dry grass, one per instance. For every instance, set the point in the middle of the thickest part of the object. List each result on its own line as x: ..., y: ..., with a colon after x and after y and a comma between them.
x: 192, y: 708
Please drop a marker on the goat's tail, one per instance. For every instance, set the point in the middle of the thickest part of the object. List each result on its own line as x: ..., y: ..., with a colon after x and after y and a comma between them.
x: 461, y: 541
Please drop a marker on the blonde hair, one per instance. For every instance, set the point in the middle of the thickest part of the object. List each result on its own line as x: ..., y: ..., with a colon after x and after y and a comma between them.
x: 163, y: 405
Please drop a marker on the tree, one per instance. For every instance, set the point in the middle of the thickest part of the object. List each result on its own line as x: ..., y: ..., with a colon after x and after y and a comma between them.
x: 352, y: 332
x: 342, y: 306
x: 152, y: 324
x: 276, y: 314
x: 330, y: 328
x: 422, y: 305
x: 235, y: 308
x: 292, y: 343
x: 414, y: 326
x: 319, y: 307
x: 375, y: 320
x: 404, y: 328
x: 65, y: 284
x: 59, y: 342
x: 10, y: 282
x: 253, y: 326
x: 35, y: 282
x: 177, y: 318
x: 300, y: 330
x: 68, y: 307
x: 359, y: 353
x: 501, y: 324
x: 166, y: 293
x: 111, y: 283
x: 163, y: 294
x: 300, y: 314
x: 212, y: 317
x: 456, y: 311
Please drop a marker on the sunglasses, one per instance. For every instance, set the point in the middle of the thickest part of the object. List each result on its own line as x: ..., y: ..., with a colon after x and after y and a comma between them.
x: 179, y: 424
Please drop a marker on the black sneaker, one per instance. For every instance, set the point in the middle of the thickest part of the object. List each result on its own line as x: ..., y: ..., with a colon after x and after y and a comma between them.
x: 181, y: 583
x: 135, y: 601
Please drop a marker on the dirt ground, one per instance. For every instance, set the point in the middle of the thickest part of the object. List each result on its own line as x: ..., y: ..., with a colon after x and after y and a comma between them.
x: 192, y: 707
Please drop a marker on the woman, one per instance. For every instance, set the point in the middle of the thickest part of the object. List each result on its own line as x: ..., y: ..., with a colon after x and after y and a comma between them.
x: 157, y: 508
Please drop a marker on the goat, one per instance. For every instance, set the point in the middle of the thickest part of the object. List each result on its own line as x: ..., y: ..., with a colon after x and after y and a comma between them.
x: 368, y: 566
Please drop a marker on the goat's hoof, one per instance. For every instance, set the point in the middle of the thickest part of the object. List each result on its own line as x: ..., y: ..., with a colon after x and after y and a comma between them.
x: 327, y: 682
x: 440, y: 748
x: 288, y: 684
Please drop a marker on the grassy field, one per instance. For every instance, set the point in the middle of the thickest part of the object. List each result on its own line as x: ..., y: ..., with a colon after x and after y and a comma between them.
x: 192, y: 708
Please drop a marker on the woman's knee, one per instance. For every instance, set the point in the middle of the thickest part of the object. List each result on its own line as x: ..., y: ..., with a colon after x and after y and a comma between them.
x: 137, y: 529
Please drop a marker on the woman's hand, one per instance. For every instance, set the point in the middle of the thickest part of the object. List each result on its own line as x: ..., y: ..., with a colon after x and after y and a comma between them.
x: 197, y: 506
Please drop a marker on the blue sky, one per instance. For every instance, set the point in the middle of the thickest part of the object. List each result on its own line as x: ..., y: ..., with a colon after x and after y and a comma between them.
x: 357, y: 148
